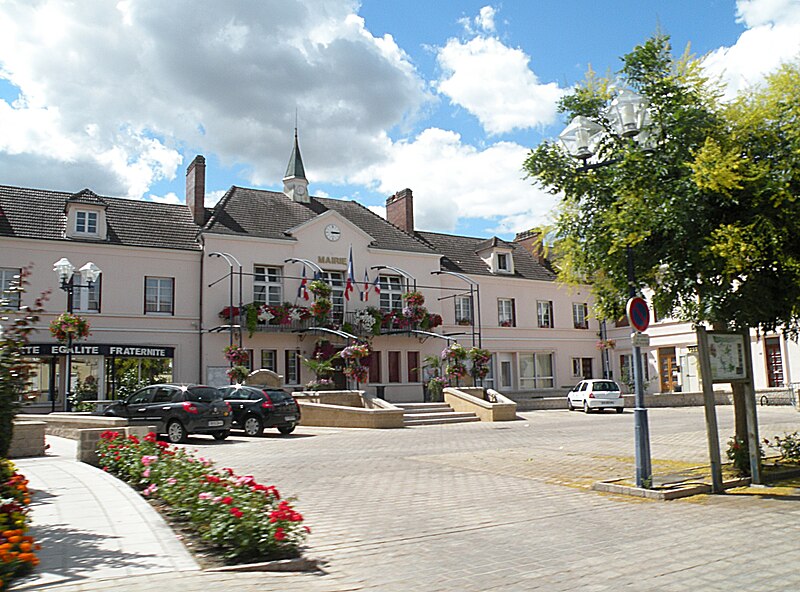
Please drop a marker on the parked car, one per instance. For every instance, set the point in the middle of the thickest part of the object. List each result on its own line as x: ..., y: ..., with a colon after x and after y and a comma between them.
x: 255, y: 408
x: 177, y: 410
x: 596, y: 394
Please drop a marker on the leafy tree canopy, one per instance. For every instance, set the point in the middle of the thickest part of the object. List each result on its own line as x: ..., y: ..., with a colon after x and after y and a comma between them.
x: 709, y: 206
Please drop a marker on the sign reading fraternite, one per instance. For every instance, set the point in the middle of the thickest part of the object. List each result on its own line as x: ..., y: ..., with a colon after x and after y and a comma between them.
x: 726, y: 353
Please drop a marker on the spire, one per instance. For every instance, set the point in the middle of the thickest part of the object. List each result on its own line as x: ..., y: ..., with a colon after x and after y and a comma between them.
x: 295, y: 168
x: 295, y: 184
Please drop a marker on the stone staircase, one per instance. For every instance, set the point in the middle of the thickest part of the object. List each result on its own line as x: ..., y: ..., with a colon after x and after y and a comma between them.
x: 417, y: 414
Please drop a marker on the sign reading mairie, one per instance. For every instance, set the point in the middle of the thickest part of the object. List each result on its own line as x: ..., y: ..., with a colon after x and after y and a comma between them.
x: 326, y: 260
x: 99, y: 349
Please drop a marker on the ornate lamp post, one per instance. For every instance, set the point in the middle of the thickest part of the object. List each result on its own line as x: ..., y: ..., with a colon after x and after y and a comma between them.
x: 66, y: 276
x: 629, y: 118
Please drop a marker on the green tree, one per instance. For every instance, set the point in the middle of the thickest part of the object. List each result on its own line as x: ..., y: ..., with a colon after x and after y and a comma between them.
x: 15, y: 326
x: 709, y: 211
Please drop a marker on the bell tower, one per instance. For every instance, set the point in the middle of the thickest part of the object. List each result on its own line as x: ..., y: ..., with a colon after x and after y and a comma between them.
x: 295, y: 184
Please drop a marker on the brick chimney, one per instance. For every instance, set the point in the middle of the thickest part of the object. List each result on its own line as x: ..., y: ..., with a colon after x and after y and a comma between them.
x: 196, y: 189
x: 400, y: 210
x: 531, y: 241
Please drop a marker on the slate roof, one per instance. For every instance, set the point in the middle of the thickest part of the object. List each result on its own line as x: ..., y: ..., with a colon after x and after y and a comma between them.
x: 39, y: 213
x: 459, y: 255
x: 295, y: 167
x: 270, y: 214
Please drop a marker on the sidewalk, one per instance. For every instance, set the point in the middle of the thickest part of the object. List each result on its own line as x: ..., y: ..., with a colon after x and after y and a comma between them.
x: 99, y: 534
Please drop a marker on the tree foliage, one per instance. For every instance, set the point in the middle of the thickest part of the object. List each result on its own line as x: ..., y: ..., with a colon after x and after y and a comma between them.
x: 710, y: 210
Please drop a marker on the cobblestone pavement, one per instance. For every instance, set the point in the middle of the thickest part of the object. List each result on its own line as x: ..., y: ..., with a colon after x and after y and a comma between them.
x: 474, y: 507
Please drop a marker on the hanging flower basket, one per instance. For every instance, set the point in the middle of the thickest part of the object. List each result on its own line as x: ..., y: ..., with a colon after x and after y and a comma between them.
x: 319, y: 289
x: 414, y: 298
x: 357, y: 372
x: 238, y: 373
x: 69, y: 324
x: 237, y: 355
x: 355, y: 352
x: 606, y: 344
x: 480, y: 362
x: 454, y: 353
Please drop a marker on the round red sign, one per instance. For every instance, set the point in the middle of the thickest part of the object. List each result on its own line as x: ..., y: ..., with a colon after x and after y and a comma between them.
x: 638, y: 313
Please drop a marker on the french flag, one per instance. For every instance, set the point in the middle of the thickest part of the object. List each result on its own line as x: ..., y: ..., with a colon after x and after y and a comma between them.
x: 376, y: 285
x: 365, y: 293
x: 302, y: 291
x: 351, y: 276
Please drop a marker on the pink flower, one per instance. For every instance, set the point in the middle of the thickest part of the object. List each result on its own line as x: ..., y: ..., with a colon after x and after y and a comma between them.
x: 170, y: 481
x: 146, y: 473
x: 151, y: 489
x: 148, y: 460
x: 205, y: 495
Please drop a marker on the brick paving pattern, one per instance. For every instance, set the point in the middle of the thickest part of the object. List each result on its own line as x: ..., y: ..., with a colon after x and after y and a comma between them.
x: 476, y: 507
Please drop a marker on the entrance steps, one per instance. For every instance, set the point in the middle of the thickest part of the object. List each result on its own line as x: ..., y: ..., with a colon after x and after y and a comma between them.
x: 417, y: 414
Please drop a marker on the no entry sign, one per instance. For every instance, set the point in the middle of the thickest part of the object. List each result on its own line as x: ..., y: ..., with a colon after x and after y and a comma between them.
x: 638, y: 313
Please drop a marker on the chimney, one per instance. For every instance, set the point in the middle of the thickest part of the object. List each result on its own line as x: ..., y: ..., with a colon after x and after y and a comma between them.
x: 532, y: 242
x: 196, y: 189
x: 400, y: 210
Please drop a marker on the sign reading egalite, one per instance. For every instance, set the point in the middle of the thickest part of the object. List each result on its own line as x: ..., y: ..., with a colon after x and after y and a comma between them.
x: 726, y: 353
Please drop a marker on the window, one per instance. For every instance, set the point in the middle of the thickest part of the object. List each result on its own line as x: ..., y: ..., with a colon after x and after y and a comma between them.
x: 335, y: 280
x: 582, y: 367
x: 626, y: 372
x: 413, y: 366
x: 292, y: 360
x: 86, y: 222
x: 394, y: 366
x: 9, y: 279
x: 374, y: 365
x: 159, y: 295
x: 536, y: 371
x: 580, y: 312
x: 86, y: 299
x: 267, y: 285
x: 269, y: 359
x: 502, y: 262
x: 463, y: 310
x: 505, y: 312
x: 544, y: 313
x: 391, y: 292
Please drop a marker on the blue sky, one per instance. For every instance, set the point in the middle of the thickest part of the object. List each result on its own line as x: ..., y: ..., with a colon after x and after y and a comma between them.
x: 442, y: 97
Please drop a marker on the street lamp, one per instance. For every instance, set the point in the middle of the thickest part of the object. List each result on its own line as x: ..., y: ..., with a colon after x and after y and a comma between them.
x: 629, y: 118
x: 66, y: 276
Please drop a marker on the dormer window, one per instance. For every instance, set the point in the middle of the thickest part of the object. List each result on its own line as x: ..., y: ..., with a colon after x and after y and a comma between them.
x: 86, y: 222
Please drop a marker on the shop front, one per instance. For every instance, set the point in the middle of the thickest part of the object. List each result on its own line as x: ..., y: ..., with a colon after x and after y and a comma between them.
x: 98, y: 372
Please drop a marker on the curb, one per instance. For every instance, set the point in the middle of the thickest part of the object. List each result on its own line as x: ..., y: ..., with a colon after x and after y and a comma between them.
x: 296, y: 564
x: 613, y: 486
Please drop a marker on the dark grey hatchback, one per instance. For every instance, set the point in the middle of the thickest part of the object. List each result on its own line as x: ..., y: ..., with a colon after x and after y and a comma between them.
x: 177, y: 410
x: 255, y: 408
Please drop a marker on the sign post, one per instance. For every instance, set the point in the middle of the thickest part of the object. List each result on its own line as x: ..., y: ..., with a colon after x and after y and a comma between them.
x: 639, y: 318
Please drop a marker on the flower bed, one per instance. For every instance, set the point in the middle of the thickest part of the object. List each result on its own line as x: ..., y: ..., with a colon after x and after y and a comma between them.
x: 243, y: 520
x: 17, y: 555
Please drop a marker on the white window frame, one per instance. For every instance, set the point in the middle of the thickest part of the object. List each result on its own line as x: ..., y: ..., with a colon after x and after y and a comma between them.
x: 544, y: 314
x: 84, y: 220
x: 268, y: 285
x: 463, y: 308
x: 163, y: 286
x: 266, y: 353
x: 505, y: 312
x: 86, y: 299
x: 506, y: 257
x: 626, y: 363
x: 538, y: 379
x: 580, y: 315
x: 9, y: 278
x: 391, y: 296
x: 292, y: 371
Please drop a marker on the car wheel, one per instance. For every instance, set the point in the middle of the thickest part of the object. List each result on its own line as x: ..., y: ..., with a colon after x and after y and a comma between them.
x: 570, y: 406
x: 620, y: 409
x: 586, y: 408
x: 287, y: 429
x: 176, y: 433
x: 221, y: 435
x: 253, y: 426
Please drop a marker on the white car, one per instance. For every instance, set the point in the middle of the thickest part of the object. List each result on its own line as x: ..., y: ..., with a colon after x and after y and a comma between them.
x: 596, y: 394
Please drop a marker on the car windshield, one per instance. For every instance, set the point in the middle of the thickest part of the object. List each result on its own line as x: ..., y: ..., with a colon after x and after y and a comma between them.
x: 203, y: 394
x: 605, y: 386
x: 279, y: 396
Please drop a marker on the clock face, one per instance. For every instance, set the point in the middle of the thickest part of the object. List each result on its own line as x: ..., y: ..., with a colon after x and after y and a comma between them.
x: 332, y: 232
x: 300, y: 189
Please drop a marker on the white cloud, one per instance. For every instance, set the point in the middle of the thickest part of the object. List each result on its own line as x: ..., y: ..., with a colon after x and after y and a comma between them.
x: 494, y: 82
x: 485, y: 19
x: 212, y: 197
x: 772, y: 37
x: 117, y: 90
x: 380, y: 210
x: 453, y: 180
x: 169, y: 198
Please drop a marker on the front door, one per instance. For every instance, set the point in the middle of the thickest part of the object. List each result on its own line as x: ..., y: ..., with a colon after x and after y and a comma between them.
x: 772, y: 348
x: 668, y: 369
x: 506, y: 373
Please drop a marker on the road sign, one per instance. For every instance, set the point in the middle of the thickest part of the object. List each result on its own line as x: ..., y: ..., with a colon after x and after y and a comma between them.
x: 640, y: 339
x: 638, y: 314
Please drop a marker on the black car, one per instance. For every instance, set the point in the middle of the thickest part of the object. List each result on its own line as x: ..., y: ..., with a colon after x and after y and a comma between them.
x: 177, y: 410
x: 255, y: 408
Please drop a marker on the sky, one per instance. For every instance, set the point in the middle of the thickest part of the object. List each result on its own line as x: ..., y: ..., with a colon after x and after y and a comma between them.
x: 445, y: 98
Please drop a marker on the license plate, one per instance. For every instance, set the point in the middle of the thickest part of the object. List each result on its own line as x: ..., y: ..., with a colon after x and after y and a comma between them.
x: 216, y: 423
x: 290, y: 417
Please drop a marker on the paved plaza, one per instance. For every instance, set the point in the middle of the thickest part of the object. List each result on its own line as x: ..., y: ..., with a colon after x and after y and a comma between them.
x: 506, y: 506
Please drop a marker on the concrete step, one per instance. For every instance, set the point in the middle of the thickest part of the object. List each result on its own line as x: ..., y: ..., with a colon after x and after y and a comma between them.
x: 422, y: 406
x: 445, y: 419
